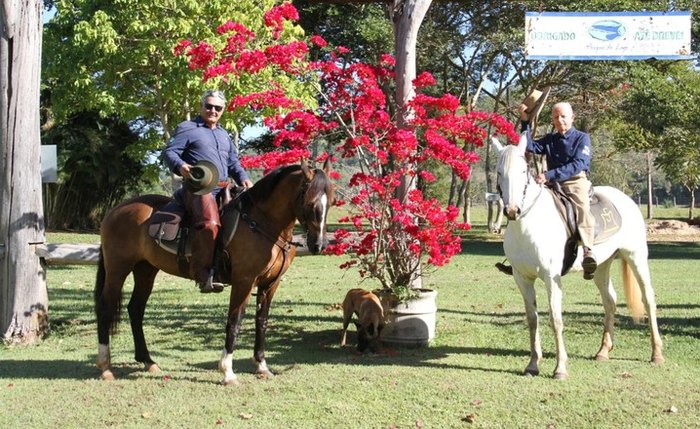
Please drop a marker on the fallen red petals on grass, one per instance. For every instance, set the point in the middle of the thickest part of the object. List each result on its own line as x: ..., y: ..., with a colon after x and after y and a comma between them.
x: 167, y: 377
x: 10, y: 386
x: 469, y: 418
x: 333, y: 307
x: 419, y: 423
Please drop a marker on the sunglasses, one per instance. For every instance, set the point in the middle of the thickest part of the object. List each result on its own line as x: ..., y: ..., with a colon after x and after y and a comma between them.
x: 208, y: 106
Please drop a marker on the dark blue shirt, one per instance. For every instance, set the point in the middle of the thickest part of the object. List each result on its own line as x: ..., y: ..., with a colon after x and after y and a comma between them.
x: 194, y: 141
x: 567, y: 155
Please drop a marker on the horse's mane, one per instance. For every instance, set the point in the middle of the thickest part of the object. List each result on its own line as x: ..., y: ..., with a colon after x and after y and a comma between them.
x: 267, y: 184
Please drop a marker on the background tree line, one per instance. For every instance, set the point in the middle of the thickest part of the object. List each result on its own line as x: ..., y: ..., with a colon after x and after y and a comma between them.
x: 113, y: 91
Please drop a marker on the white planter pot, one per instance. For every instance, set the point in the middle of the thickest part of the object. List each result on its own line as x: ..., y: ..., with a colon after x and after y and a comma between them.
x: 411, y: 323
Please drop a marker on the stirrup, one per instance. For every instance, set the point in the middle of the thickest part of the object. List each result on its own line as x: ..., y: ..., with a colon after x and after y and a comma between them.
x: 209, y: 285
x: 505, y: 269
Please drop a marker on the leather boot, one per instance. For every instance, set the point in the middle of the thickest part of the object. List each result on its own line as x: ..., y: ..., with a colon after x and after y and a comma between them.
x: 589, y: 263
x: 205, y: 227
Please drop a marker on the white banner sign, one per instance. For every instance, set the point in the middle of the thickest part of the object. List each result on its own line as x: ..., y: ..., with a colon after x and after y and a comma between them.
x: 49, y: 169
x: 607, y: 35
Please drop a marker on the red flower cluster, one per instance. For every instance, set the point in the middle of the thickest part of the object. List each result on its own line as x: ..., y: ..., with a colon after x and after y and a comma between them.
x: 390, y: 234
x: 276, y: 16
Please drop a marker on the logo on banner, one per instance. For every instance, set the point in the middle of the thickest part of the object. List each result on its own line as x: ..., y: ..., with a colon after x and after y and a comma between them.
x: 607, y: 30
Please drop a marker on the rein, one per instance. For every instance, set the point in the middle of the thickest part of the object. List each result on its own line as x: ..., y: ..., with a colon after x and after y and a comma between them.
x: 524, y: 211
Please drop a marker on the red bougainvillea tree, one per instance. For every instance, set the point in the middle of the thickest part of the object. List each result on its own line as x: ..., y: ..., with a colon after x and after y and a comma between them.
x: 386, y: 238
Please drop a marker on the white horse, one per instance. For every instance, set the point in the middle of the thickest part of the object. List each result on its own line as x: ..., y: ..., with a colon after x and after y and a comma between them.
x: 534, y: 245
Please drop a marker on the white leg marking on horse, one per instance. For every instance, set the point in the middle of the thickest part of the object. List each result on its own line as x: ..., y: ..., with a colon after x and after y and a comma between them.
x: 103, y: 358
x: 226, y: 366
x: 262, y: 370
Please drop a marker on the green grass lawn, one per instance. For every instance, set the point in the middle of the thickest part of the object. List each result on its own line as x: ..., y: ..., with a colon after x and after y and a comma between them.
x: 469, y: 377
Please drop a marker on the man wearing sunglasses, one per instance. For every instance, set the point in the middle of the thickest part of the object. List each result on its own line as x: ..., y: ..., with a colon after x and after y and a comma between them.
x: 203, y: 140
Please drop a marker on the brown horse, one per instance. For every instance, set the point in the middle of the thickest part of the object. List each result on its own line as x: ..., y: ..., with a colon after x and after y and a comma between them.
x: 259, y: 252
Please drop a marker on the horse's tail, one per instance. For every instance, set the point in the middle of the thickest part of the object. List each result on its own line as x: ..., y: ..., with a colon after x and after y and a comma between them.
x: 633, y: 293
x: 100, y: 304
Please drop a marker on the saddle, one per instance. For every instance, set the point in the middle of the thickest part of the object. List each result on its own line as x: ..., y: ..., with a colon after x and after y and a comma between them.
x: 170, y: 226
x: 607, y: 221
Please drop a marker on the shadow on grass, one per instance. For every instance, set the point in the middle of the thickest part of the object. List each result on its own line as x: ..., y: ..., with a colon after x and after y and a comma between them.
x: 56, y: 369
x: 486, y: 248
x: 674, y: 250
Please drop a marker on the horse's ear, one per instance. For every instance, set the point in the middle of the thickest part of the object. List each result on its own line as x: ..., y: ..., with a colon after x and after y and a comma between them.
x: 327, y: 165
x: 497, y: 146
x: 306, y: 170
x: 522, y: 144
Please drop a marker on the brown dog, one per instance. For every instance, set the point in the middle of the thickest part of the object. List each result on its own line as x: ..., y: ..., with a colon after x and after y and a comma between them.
x: 370, y: 317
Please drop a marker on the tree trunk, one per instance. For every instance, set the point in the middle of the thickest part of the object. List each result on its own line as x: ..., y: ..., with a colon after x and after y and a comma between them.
x: 692, y: 203
x: 453, y: 190
x: 406, y: 17
x: 467, y: 201
x: 650, y: 191
x: 24, y: 300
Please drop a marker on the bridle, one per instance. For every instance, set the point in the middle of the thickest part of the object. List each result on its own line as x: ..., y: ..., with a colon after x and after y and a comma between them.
x: 258, y: 225
x: 523, y: 210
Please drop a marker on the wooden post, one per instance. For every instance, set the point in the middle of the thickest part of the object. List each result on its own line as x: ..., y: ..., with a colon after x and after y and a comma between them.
x: 23, y: 296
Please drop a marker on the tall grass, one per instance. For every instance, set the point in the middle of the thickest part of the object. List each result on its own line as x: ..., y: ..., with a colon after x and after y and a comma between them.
x: 470, y: 376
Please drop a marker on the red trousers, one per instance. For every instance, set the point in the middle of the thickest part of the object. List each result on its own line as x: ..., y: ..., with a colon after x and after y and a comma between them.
x: 205, y: 227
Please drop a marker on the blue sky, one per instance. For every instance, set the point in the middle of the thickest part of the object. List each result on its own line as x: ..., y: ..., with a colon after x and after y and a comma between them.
x: 48, y: 14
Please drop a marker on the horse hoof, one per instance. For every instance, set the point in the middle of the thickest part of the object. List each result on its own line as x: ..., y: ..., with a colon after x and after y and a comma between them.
x: 602, y: 358
x: 531, y: 372
x: 657, y: 360
x: 107, y: 375
x: 231, y: 382
x: 152, y: 368
x: 263, y: 374
x: 561, y: 376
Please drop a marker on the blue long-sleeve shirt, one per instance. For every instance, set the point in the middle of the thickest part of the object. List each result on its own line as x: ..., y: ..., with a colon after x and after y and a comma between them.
x: 567, y: 155
x: 194, y: 141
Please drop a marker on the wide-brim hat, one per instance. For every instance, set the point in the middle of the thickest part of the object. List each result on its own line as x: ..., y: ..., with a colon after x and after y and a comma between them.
x: 204, y: 176
x: 535, y: 103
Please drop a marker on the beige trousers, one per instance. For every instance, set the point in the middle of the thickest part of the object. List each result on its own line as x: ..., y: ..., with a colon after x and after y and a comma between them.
x: 578, y: 189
